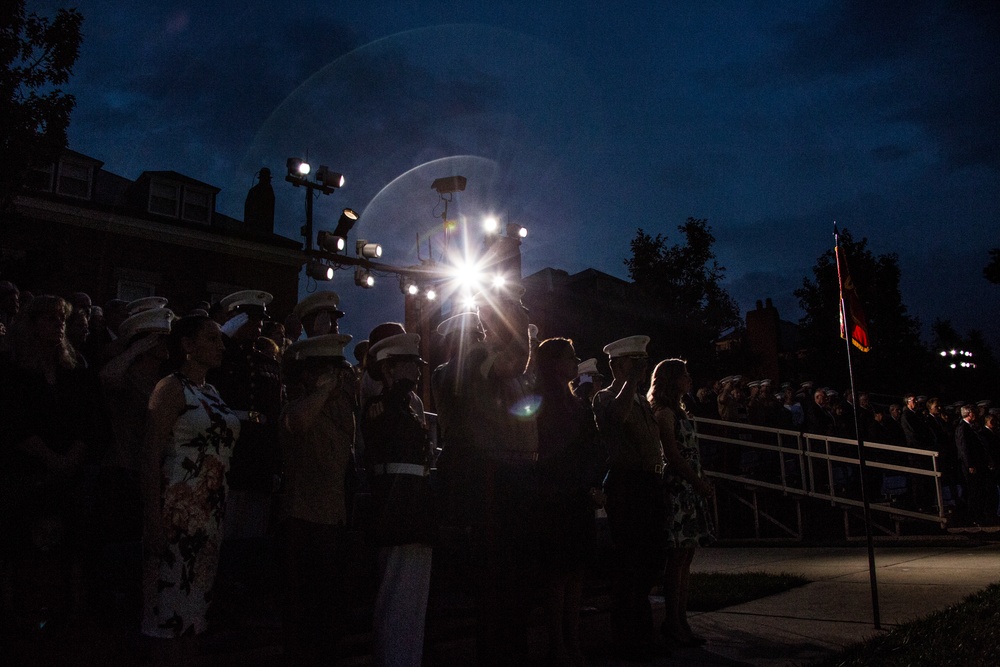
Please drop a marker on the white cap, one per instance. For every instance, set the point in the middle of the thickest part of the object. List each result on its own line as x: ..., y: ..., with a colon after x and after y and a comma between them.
x: 154, y: 320
x: 316, y: 302
x: 400, y: 345
x: 113, y: 373
x: 146, y: 303
x: 633, y: 346
x: 463, y: 323
x: 251, y: 298
x: 587, y: 367
x: 327, y: 345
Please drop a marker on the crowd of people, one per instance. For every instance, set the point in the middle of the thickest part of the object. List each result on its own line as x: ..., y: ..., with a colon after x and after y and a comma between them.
x: 202, y: 436
x: 965, y: 436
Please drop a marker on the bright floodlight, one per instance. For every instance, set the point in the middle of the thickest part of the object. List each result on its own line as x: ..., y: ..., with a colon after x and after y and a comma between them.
x: 412, y: 289
x: 297, y: 166
x: 319, y: 271
x: 499, y: 281
x: 331, y: 242
x: 368, y: 250
x: 330, y: 179
x: 468, y: 275
x: 491, y: 225
x: 522, y: 232
x: 430, y: 294
x: 363, y: 278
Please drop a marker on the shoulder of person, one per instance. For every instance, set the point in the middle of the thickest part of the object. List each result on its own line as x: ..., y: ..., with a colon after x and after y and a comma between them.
x: 374, y: 407
x: 602, y: 397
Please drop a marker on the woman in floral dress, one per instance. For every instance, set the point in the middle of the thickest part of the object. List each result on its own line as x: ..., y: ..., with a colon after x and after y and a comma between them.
x: 689, y: 524
x: 189, y: 440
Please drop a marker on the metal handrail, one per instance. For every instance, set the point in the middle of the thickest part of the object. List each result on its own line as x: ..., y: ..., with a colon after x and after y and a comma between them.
x: 817, y: 465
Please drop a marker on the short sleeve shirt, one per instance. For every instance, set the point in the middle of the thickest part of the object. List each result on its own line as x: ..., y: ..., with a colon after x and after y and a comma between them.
x: 633, y: 444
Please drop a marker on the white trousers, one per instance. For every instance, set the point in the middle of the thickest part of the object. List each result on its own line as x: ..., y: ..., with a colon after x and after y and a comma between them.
x: 404, y: 574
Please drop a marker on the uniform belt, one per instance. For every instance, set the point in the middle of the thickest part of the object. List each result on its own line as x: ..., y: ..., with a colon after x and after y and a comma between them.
x: 250, y: 416
x: 400, y: 469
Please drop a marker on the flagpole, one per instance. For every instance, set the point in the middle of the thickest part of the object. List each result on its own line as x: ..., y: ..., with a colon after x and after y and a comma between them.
x: 857, y: 432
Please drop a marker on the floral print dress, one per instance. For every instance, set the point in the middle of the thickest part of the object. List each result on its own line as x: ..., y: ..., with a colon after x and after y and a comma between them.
x: 177, y: 586
x: 689, y: 521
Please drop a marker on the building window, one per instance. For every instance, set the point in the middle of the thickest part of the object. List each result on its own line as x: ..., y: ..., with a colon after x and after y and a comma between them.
x: 130, y: 290
x: 39, y: 178
x: 74, y: 180
x: 163, y: 199
x: 197, y: 206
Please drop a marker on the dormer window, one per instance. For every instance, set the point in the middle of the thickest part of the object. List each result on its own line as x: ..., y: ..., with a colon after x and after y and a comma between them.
x: 164, y: 198
x: 197, y: 206
x: 74, y: 179
x: 40, y: 178
x: 177, y: 196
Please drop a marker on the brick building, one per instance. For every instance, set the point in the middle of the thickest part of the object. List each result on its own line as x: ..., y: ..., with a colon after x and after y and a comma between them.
x: 81, y: 228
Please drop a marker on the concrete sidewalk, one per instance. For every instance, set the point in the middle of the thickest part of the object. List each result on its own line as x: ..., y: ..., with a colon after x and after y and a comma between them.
x: 796, y: 627
x: 835, y: 609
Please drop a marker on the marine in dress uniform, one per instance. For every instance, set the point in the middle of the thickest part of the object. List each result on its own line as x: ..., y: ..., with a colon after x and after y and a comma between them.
x: 319, y: 313
x: 250, y: 384
x: 404, y: 526
x: 492, y: 431
x: 635, y: 503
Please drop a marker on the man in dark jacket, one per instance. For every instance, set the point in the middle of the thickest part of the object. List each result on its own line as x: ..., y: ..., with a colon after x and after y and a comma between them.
x: 978, y: 468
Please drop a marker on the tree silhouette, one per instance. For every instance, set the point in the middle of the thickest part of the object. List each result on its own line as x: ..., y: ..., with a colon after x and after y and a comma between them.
x: 37, y: 55
x: 685, y: 279
x: 992, y: 270
x: 897, y: 354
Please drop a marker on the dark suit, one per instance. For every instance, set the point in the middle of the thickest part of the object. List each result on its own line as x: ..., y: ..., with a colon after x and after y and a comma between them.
x: 915, y: 429
x: 973, y: 455
x: 918, y: 436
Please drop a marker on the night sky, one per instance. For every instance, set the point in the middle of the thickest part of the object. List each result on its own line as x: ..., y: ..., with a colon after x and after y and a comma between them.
x: 582, y: 121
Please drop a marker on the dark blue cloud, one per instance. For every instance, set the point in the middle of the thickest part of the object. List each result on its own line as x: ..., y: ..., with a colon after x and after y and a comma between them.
x: 771, y: 121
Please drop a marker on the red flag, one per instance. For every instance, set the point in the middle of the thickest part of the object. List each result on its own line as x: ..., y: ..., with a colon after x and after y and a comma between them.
x: 852, y: 304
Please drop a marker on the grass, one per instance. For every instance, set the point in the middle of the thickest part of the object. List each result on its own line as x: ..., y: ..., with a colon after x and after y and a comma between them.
x: 967, y: 633
x: 715, y: 590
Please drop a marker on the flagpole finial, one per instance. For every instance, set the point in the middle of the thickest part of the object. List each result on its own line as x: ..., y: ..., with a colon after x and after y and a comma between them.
x: 835, y: 233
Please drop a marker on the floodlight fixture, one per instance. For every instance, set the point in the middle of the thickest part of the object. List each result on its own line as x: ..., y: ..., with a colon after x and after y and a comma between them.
x: 363, y: 278
x: 491, y: 225
x: 346, y: 222
x: 368, y: 250
x: 514, y: 229
x: 329, y: 179
x: 467, y: 274
x: 430, y: 294
x: 331, y: 242
x: 407, y: 286
x: 499, y: 281
x: 448, y: 184
x: 297, y: 167
x: 317, y: 270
